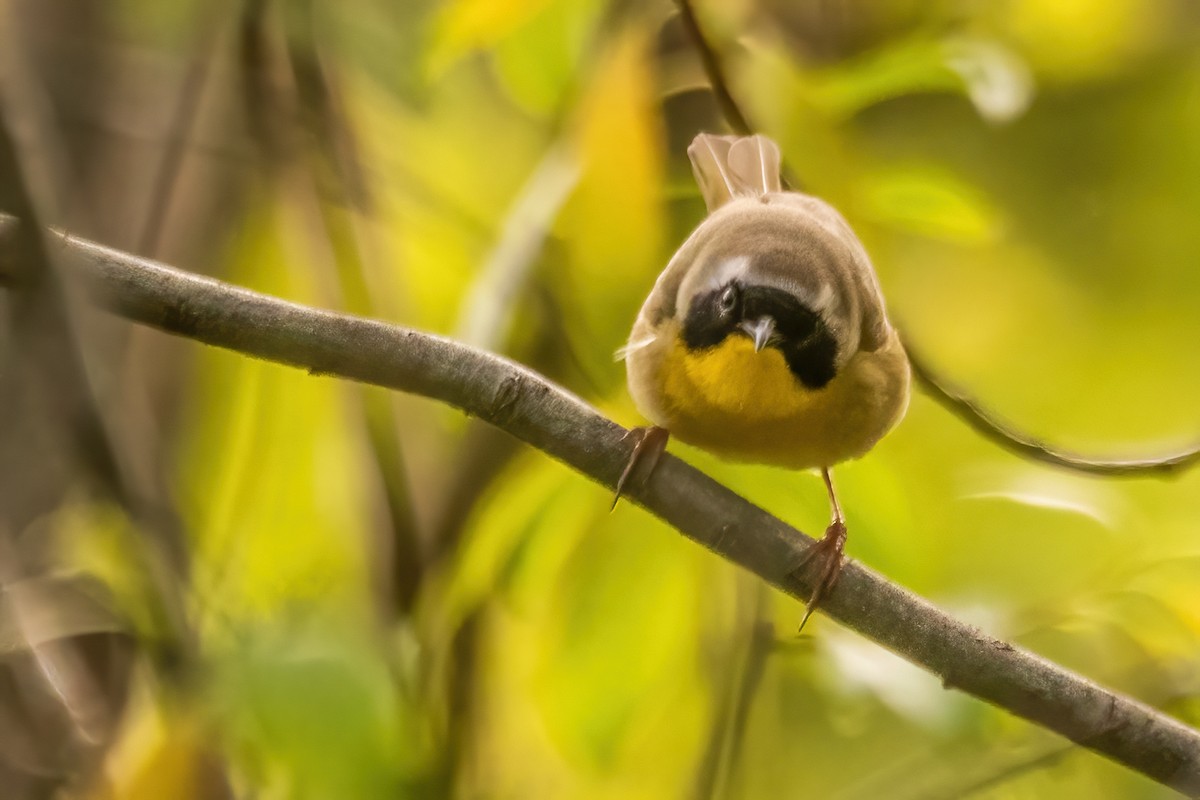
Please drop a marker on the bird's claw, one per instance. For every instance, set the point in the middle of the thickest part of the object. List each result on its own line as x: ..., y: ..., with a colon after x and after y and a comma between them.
x: 648, y: 449
x: 826, y: 558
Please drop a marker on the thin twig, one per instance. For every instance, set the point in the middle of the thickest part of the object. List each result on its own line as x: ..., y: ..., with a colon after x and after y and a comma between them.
x: 737, y: 682
x: 988, y: 425
x: 759, y: 644
x: 957, y: 402
x: 541, y: 414
x: 714, y: 69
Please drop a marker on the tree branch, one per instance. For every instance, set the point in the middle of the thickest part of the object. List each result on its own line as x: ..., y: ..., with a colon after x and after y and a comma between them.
x: 990, y: 426
x: 713, y: 68
x: 535, y: 411
x: 970, y: 411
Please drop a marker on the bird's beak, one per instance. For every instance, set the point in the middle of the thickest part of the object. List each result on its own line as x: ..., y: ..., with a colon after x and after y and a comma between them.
x: 760, y: 331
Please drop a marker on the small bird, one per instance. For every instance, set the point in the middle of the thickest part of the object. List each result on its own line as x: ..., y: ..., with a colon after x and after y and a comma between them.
x: 765, y: 339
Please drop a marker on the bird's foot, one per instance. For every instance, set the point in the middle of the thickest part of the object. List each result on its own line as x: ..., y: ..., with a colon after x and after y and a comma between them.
x: 647, y: 449
x: 824, y: 560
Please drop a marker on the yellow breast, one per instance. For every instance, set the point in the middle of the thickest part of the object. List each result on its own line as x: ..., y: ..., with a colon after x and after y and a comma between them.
x: 733, y: 379
x: 748, y: 406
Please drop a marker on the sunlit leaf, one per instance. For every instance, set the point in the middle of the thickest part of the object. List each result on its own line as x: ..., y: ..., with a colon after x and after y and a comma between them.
x: 1077, y: 39
x: 930, y: 202
x: 172, y: 757
x: 541, y: 61
x: 447, y: 190
x: 464, y: 25
x: 613, y: 226
x: 897, y: 69
x: 272, y: 506
x: 277, y: 703
x: 618, y: 593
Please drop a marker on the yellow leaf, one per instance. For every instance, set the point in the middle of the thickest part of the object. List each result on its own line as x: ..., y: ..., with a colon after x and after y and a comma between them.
x: 613, y: 226
x: 476, y: 24
x: 160, y: 754
x: 1080, y: 39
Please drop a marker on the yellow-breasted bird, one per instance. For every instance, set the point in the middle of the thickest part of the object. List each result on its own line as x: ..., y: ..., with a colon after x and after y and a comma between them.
x: 765, y: 339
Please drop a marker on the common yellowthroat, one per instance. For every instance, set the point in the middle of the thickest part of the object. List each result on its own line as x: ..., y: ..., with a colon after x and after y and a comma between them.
x: 765, y: 339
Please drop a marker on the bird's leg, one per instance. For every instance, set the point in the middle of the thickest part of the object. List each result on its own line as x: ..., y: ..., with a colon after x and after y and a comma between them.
x: 651, y: 441
x: 826, y: 554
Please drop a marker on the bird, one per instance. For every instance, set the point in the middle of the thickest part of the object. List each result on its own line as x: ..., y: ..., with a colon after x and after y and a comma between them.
x: 766, y: 338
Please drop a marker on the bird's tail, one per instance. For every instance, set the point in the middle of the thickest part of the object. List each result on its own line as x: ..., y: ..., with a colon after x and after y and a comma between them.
x: 734, y: 166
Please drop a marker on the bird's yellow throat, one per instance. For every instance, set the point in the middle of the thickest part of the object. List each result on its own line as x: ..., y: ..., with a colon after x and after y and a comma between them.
x: 732, y: 379
x: 748, y: 406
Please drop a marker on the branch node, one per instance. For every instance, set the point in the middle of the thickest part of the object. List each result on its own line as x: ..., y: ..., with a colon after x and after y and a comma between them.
x: 505, y: 400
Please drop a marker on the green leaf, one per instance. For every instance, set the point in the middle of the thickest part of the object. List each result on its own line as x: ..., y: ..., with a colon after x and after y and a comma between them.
x: 932, y: 202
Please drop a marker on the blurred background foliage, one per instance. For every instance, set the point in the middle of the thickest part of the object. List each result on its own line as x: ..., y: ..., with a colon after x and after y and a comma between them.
x: 342, y: 593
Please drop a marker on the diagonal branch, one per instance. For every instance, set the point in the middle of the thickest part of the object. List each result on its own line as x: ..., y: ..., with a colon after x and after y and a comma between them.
x: 966, y: 408
x: 535, y: 411
x: 988, y: 425
x: 713, y: 69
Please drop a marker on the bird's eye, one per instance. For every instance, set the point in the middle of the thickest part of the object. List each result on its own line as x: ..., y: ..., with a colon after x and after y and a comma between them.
x: 728, y: 301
